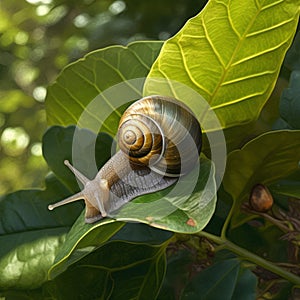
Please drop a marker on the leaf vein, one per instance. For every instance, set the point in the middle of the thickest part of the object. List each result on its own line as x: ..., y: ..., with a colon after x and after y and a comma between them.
x: 192, y: 36
x: 86, y: 80
x: 247, y: 97
x: 217, y: 54
x: 187, y: 70
x: 173, y: 90
x: 236, y: 50
x: 147, y: 67
x: 79, y: 103
x: 270, y: 28
x: 123, y: 79
x: 272, y: 4
x: 231, y: 23
x: 269, y: 72
x: 63, y: 106
x: 255, y: 55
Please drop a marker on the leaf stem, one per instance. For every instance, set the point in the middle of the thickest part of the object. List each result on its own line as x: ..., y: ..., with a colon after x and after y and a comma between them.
x: 247, y: 255
x: 227, y: 221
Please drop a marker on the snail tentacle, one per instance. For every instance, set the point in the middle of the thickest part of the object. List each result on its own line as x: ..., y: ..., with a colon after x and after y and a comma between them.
x: 77, y: 174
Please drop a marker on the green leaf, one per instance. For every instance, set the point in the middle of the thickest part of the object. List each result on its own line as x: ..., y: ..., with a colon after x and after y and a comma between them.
x: 177, y: 212
x: 142, y: 233
x: 292, y: 60
x: 79, y: 83
x: 177, y: 208
x: 231, y: 54
x: 36, y: 294
x: 88, y: 150
x: 179, y: 266
x: 246, y: 286
x: 30, y: 236
x: 118, y: 270
x: 223, y: 280
x: 82, y: 240
x: 237, y: 136
x: 288, y: 188
x: 143, y: 282
x: 265, y: 160
x: 290, y: 101
x: 260, y: 240
x: 86, y: 238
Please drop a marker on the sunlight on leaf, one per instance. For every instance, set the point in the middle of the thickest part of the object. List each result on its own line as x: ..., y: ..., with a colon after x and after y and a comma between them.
x: 231, y: 54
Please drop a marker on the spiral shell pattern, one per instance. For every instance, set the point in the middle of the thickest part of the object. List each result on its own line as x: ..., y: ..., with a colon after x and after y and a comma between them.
x: 162, y: 133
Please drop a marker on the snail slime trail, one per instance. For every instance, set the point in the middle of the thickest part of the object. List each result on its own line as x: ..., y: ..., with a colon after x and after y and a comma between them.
x: 154, y: 136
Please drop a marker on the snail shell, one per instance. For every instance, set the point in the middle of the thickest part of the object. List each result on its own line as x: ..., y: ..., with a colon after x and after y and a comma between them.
x: 159, y: 140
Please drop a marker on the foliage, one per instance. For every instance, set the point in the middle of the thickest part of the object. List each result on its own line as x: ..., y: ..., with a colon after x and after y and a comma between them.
x: 232, y: 55
x: 116, y: 62
x: 37, y: 39
x: 241, y: 74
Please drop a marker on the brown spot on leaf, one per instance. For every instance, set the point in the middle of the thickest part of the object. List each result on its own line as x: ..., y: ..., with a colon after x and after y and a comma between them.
x: 191, y: 222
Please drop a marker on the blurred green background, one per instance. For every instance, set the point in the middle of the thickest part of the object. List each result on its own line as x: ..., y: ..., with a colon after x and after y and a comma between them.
x: 40, y: 37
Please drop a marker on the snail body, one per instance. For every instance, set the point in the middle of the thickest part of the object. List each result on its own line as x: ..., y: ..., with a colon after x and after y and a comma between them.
x: 159, y: 140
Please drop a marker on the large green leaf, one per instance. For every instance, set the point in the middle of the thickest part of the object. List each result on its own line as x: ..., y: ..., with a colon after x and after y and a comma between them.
x: 118, y: 270
x: 82, y: 240
x: 290, y: 101
x: 246, y: 285
x: 161, y: 210
x: 179, y: 266
x: 292, y: 60
x: 132, y: 263
x: 30, y: 237
x: 230, y: 54
x: 287, y: 188
x: 223, y: 280
x: 80, y: 244
x: 36, y: 294
x: 80, y: 82
x: 265, y: 159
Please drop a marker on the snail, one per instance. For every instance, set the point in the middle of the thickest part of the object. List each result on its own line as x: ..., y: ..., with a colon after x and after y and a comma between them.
x: 261, y: 199
x: 159, y: 139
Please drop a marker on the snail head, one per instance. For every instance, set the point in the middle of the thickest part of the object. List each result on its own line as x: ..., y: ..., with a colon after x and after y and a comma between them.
x: 96, y: 191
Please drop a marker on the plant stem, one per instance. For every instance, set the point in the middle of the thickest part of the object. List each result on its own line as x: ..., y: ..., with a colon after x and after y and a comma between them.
x: 247, y: 255
x: 227, y: 221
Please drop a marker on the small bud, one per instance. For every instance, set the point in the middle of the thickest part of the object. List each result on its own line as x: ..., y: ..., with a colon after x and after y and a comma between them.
x: 261, y: 199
